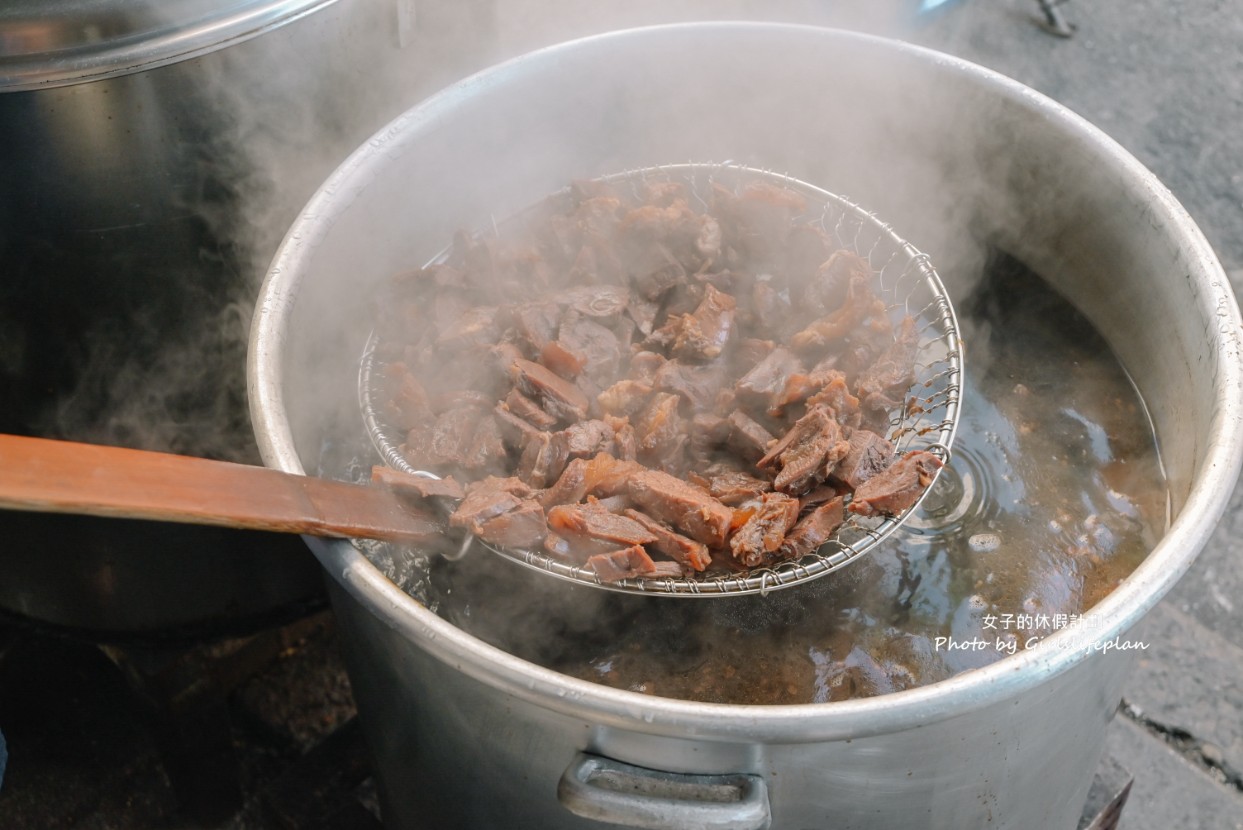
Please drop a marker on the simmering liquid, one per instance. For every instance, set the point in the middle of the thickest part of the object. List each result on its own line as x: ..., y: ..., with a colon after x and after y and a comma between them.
x: 1054, y: 494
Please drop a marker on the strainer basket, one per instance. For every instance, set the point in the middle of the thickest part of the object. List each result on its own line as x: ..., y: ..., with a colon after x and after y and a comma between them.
x: 904, y: 279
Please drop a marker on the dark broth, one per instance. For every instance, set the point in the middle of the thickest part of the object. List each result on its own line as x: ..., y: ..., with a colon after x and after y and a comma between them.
x: 1053, y: 496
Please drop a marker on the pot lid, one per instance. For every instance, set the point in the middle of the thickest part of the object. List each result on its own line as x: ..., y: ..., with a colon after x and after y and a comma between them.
x: 46, y: 43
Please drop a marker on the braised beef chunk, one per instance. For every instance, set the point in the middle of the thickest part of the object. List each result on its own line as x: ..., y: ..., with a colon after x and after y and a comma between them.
x: 650, y: 380
x: 894, y: 371
x: 699, y: 385
x: 557, y: 396
x: 806, y: 453
x: 659, y: 427
x: 682, y: 505
x: 587, y: 439
x: 767, y: 520
x: 626, y: 563
x: 703, y: 335
x: 543, y: 459
x: 594, y: 521
x: 868, y: 455
x: 488, y: 499
x: 860, y: 303
x: 768, y: 378
x: 595, y: 347
x: 814, y: 529
x: 528, y: 410
x: 626, y: 397
x: 571, y: 486
x: 748, y: 437
x: 895, y: 489
x: 734, y: 488
x: 681, y: 549
x: 514, y: 430
x: 420, y: 487
x: 521, y: 528
x: 409, y: 407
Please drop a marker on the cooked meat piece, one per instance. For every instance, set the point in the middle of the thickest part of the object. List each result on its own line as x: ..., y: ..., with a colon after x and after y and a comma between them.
x: 608, y: 476
x: 598, y: 215
x: 596, y: 522
x: 703, y: 335
x: 626, y: 397
x: 597, y: 300
x: 699, y: 385
x: 770, y: 310
x: 514, y: 431
x: 535, y: 324
x: 420, y: 487
x: 817, y: 496
x: 768, y: 378
x: 837, y: 397
x: 895, y: 489
x: 659, y: 426
x: 561, y: 360
x: 587, y: 438
x: 444, y: 444
x: 522, y: 528
x: 477, y: 326
x: 487, y: 499
x: 736, y: 487
x: 528, y: 410
x: 682, y: 505
x: 748, y: 437
x: 765, y: 528
x: 656, y: 274
x: 625, y: 442
x: 814, y: 529
x: 860, y: 303
x: 667, y: 569
x: 486, y: 453
x: 628, y: 563
x: 645, y: 365
x: 408, y: 406
x: 763, y: 214
x: 868, y: 455
x: 807, y: 452
x: 556, y: 395
x: 595, y: 347
x: 826, y: 291
x: 751, y: 350
x: 708, y: 433
x: 571, y: 486
x: 894, y: 371
x: 686, y: 551
x: 543, y: 459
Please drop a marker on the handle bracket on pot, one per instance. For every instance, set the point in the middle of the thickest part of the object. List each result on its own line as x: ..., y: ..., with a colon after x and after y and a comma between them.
x: 606, y: 790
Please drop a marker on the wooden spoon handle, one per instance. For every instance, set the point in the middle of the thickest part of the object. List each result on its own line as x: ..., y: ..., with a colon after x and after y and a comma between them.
x: 43, y: 475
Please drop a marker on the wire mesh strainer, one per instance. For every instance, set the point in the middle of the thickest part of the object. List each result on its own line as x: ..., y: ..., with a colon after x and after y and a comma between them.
x: 909, y: 286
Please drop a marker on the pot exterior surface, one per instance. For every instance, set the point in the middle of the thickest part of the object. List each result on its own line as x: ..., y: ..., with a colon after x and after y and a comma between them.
x: 452, y: 753
x: 964, y: 161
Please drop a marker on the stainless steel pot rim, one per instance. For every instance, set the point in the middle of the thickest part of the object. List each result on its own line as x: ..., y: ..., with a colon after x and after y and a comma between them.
x: 89, y: 41
x: 958, y: 696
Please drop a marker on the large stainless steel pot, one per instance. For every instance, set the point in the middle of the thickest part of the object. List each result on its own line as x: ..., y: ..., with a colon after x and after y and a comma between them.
x: 958, y: 157
x: 153, y: 155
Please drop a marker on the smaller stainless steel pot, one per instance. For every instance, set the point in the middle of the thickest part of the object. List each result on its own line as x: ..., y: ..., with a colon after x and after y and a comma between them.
x: 153, y: 154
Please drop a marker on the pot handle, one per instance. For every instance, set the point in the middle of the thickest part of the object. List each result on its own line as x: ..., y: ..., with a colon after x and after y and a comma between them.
x: 606, y: 790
